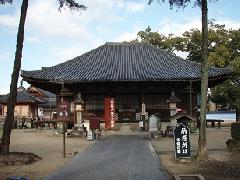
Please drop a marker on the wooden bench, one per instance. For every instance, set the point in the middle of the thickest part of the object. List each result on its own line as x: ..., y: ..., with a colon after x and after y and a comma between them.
x: 213, y: 121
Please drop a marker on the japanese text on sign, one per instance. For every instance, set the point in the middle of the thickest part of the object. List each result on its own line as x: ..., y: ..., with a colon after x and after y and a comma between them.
x: 64, y: 109
x: 181, y: 140
x: 109, y: 107
x: 112, y: 112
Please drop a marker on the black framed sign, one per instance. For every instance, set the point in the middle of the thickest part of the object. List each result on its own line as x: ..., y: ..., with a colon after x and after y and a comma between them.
x: 182, y: 141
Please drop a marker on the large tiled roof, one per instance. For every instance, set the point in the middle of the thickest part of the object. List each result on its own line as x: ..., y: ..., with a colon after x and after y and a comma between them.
x: 22, y: 97
x: 124, y: 62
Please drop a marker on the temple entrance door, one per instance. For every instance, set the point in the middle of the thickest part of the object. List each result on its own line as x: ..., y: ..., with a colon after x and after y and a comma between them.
x: 127, y: 106
x: 127, y: 115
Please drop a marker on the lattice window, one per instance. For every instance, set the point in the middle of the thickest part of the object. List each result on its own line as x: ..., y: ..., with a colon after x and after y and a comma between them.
x: 127, y: 102
x: 94, y: 102
x: 156, y: 101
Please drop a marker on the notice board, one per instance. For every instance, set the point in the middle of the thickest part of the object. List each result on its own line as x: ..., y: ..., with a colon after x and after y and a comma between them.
x: 64, y: 111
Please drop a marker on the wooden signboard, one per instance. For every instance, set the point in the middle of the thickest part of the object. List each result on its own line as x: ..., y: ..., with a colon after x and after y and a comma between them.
x: 182, y: 141
x: 64, y: 111
x: 64, y: 115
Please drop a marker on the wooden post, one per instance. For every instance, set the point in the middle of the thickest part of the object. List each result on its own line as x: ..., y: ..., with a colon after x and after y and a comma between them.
x: 143, y: 112
x: 64, y: 140
x: 190, y: 98
x: 143, y: 118
x: 74, y: 114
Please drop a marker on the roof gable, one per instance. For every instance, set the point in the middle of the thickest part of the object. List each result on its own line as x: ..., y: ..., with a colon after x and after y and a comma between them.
x: 37, y: 92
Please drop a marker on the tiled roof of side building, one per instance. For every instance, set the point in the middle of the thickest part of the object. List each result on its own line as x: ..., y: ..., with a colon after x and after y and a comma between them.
x: 22, y: 97
x: 49, y: 103
x: 124, y: 62
x: 47, y: 93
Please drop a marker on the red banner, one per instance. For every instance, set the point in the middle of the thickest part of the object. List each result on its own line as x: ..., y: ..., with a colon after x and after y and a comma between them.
x: 109, y: 106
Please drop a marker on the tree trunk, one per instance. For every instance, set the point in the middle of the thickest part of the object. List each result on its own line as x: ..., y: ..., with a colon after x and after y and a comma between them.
x: 238, y: 115
x: 8, y: 124
x: 202, y: 142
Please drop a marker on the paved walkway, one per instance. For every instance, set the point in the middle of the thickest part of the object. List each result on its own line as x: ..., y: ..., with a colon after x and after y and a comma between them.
x: 116, y: 157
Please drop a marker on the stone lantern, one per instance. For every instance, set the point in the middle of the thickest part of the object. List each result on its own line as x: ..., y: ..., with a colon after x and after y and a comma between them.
x: 172, y: 103
x: 79, y: 109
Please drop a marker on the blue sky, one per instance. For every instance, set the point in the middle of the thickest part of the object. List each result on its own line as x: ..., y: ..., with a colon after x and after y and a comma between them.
x: 52, y: 37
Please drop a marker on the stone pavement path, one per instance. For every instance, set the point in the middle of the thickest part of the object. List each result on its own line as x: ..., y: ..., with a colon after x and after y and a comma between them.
x: 116, y: 157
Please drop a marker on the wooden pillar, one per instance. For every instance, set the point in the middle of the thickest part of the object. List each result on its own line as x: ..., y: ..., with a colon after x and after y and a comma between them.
x: 1, y: 109
x: 190, y: 98
x: 143, y: 110
x: 64, y: 139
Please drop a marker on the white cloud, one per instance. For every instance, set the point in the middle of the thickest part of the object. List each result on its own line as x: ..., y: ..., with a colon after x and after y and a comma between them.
x: 229, y: 24
x: 168, y: 26
x: 128, y: 36
x: 10, y: 20
x: 101, y: 10
x: 133, y: 7
x: 5, y: 56
x: 46, y: 20
x: 3, y: 91
x: 181, y: 54
x: 33, y: 39
x: 103, y: 30
x: 62, y: 54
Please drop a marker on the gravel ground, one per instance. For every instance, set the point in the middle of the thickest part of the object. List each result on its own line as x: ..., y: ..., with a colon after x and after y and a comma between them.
x: 221, y: 164
x: 47, y: 146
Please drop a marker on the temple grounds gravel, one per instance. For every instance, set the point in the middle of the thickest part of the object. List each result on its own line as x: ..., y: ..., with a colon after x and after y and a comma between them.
x: 221, y: 164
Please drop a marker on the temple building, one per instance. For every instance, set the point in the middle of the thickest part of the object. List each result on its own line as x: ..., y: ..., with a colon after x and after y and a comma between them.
x: 46, y: 109
x: 31, y: 103
x: 140, y: 78
x: 26, y: 104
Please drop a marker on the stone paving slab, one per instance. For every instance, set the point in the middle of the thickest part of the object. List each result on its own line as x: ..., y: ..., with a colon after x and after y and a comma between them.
x: 116, y: 157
